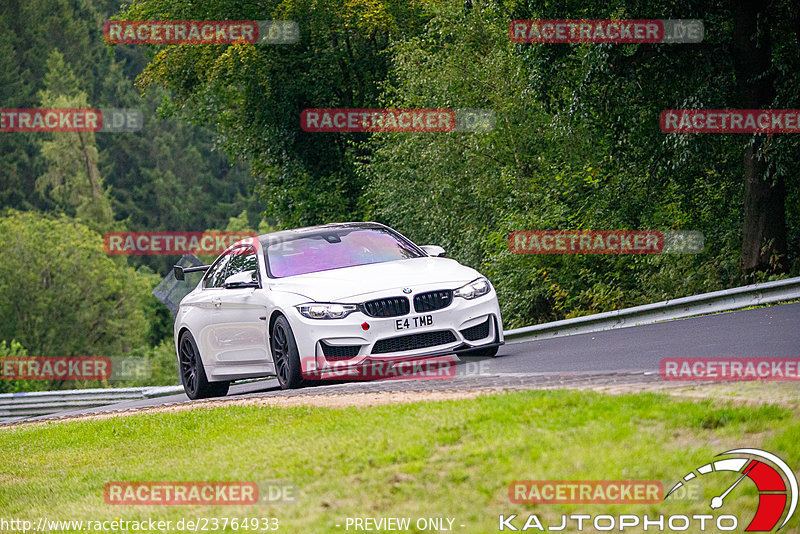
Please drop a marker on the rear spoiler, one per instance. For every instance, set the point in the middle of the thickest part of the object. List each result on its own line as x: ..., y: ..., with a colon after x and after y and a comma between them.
x: 179, y: 271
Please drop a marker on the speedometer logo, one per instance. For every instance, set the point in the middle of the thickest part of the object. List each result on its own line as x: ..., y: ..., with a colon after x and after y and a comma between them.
x: 776, y: 494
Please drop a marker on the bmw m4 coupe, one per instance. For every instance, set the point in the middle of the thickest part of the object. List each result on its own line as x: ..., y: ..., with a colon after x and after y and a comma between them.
x: 288, y: 303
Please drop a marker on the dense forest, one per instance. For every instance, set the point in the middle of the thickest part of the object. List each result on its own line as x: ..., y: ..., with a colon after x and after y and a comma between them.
x: 576, y: 145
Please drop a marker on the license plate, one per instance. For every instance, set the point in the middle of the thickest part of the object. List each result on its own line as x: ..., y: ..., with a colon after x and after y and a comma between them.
x: 413, y: 322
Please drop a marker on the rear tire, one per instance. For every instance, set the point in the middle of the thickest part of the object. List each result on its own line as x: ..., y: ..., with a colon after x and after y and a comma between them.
x: 285, y: 355
x: 193, y: 374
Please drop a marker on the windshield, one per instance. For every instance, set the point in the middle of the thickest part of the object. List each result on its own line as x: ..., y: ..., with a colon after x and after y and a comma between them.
x: 336, y: 248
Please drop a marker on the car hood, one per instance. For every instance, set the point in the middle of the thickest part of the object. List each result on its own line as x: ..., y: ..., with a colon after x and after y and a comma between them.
x: 350, y: 282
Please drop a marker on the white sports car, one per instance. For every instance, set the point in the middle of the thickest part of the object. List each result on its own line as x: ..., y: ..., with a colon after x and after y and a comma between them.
x: 288, y: 303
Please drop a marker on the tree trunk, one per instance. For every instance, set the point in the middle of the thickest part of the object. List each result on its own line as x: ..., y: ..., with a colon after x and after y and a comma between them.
x: 764, y: 230
x: 764, y: 226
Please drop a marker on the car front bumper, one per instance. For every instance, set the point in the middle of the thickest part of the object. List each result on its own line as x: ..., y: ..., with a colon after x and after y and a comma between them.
x: 359, y: 339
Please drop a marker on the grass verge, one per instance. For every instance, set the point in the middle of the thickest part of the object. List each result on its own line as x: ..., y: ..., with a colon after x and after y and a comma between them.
x: 451, y: 459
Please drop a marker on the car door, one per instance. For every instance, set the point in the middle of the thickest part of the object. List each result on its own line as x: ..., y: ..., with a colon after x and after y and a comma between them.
x: 205, y: 314
x: 238, y: 338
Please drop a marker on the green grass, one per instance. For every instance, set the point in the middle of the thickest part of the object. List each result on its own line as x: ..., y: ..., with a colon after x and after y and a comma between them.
x: 452, y: 458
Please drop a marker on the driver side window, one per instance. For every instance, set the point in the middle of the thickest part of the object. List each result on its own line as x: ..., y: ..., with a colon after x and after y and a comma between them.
x: 217, y: 274
x: 242, y: 259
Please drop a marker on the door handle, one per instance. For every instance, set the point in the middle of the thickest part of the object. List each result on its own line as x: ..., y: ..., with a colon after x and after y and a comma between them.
x: 217, y: 302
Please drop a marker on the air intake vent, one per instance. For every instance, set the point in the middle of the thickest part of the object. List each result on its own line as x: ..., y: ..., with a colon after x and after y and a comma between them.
x: 479, y: 331
x: 433, y: 300
x: 339, y: 352
x: 388, y: 307
x: 413, y: 341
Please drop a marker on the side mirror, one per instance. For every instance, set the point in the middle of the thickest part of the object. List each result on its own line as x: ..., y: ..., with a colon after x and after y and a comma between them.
x: 180, y: 272
x: 433, y: 250
x: 242, y: 279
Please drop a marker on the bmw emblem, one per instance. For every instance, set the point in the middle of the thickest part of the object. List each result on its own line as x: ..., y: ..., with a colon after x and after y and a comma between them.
x: 406, y: 290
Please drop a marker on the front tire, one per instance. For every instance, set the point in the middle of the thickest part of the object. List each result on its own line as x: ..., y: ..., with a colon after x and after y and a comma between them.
x: 490, y: 352
x: 487, y: 352
x: 193, y: 374
x: 285, y: 355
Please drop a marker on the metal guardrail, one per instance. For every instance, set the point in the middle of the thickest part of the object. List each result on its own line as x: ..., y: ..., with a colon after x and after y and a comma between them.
x: 706, y: 303
x: 20, y: 406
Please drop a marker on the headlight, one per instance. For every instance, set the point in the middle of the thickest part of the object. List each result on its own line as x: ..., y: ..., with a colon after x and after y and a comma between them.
x: 325, y: 310
x: 477, y: 288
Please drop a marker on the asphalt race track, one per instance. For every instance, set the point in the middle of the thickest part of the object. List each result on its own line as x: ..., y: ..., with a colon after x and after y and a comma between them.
x: 762, y: 332
x: 613, y: 356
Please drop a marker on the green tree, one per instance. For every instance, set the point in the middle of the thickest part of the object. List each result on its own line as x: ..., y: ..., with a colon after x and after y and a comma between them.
x: 71, y: 178
x: 168, y: 176
x: 577, y: 146
x: 254, y: 94
x: 61, y: 295
x: 29, y: 31
x: 14, y: 349
x: 748, y: 59
x: 577, y: 143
